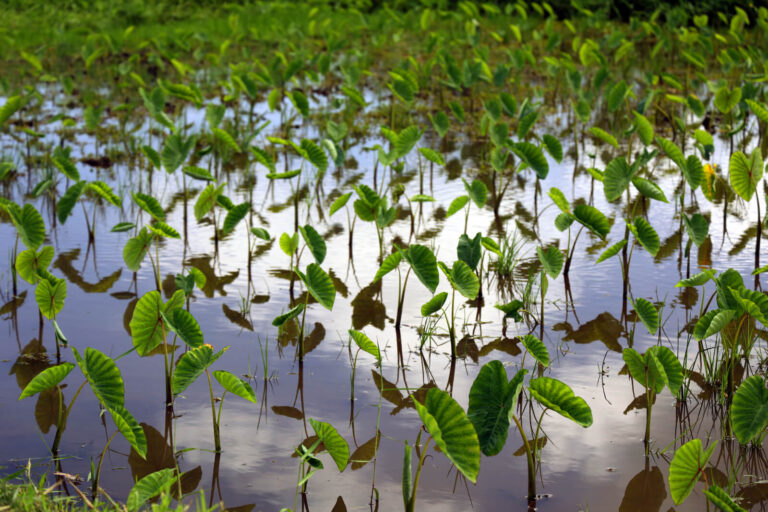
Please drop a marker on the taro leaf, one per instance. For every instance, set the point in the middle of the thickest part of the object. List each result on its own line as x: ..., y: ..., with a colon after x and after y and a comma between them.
x: 234, y: 216
x: 50, y: 297
x: 477, y: 191
x: 615, y: 95
x: 698, y: 228
x: 551, y: 260
x: 727, y: 99
x: 593, y: 219
x: 440, y: 123
x: 648, y: 314
x: 315, y: 155
x: 291, y: 313
x: 299, y: 101
x: 536, y: 348
x: 336, y: 131
x: 469, y: 250
x: 434, y: 304
x: 319, y: 285
x: 284, y: 175
x: 644, y: 128
x: 314, y: 242
x: 407, y: 478
x: 261, y: 233
x: 492, y: 402
x: 560, y: 200
x: 424, y: 264
x: 207, y: 200
x: 47, y: 379
x: 406, y: 140
x: 433, y: 156
x: 289, y: 243
x: 722, y: 500
x: 30, y: 262
x: 749, y: 410
x: 558, y: 396
x: 29, y: 224
x: 511, y: 309
x: 457, y: 205
x: 365, y: 343
x: 191, y: 365
x: 686, y: 468
x: 491, y: 245
x: 103, y: 376
x: 105, y: 192
x: 122, y: 227
x: 388, y: 265
x: 68, y: 201
x: 616, y: 178
x: 693, y: 171
x: 149, y: 487
x: 185, y: 326
x: 673, y: 152
x: 339, y: 203
x: 163, y: 230
x: 452, y: 431
x: 612, y: 251
x: 150, y: 205
x: 136, y: 248
x: 336, y: 446
x: 745, y: 173
x: 235, y: 385
x: 672, y: 367
x: 130, y: 428
x: 697, y: 280
x: 645, y: 369
x: 525, y: 123
x: 175, y: 151
x: 754, y: 302
x: 198, y: 173
x: 646, y: 235
x: 563, y: 221
x: 554, y: 148
x: 66, y: 166
x: 464, y: 280
x: 147, y: 330
x: 649, y: 189
x: 604, y: 136
x: 533, y: 158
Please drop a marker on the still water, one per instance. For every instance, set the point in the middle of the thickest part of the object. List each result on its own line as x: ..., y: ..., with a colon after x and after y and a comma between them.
x: 599, y: 468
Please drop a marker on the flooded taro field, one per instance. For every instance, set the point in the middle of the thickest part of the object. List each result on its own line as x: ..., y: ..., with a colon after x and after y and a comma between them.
x: 380, y: 274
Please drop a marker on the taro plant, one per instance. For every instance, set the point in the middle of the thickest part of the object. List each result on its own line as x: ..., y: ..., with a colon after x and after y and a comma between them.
x: 154, y: 320
x: 422, y: 261
x: 331, y: 441
x: 320, y: 286
x: 745, y: 173
x: 449, y: 427
x: 587, y: 216
x: 689, y: 466
x: 105, y: 380
x: 70, y: 198
x: 738, y: 308
x: 462, y: 279
x: 657, y: 368
x: 493, y: 403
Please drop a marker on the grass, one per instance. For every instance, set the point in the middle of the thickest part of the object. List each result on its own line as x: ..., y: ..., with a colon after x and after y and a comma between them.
x: 26, y: 495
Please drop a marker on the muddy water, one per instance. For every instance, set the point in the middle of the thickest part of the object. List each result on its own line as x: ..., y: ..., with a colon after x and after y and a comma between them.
x: 599, y: 468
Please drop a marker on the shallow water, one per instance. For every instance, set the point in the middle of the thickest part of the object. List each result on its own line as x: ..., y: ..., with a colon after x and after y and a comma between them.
x: 599, y: 468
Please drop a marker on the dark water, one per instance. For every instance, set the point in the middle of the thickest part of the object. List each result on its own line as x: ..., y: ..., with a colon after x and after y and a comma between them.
x: 599, y: 468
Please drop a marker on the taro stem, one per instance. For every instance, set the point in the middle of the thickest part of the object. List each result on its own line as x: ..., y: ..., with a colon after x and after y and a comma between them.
x: 216, y: 436
x: 529, y: 457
